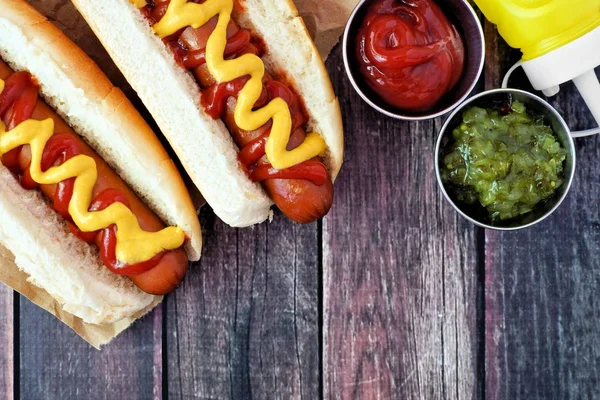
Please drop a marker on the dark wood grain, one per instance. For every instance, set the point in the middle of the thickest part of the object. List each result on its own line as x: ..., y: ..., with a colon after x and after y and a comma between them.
x: 245, y: 322
x: 6, y: 343
x: 399, y: 267
x: 57, y: 364
x: 542, y: 329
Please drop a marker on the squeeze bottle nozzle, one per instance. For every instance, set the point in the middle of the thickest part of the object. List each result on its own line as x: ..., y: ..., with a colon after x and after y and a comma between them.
x: 560, y: 41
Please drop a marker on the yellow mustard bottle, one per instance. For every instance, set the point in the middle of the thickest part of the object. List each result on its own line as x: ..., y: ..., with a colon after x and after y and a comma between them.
x: 559, y: 39
x: 539, y: 26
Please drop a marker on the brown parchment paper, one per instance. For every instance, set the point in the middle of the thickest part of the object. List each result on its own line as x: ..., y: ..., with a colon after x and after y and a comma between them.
x: 325, y: 20
x: 96, y: 335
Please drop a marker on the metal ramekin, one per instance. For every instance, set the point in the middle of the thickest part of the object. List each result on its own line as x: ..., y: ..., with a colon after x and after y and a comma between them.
x: 462, y: 15
x: 491, y: 99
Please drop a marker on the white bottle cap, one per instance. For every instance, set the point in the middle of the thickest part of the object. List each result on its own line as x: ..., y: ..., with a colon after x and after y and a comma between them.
x: 574, y: 61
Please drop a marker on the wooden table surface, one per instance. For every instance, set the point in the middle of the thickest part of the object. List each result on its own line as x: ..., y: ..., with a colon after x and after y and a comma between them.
x: 391, y: 296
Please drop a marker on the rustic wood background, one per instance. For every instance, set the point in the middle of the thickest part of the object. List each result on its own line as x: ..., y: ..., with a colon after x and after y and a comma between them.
x: 392, y: 296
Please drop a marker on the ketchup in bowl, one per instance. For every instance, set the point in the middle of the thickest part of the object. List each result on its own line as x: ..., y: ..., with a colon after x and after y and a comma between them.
x: 409, y: 53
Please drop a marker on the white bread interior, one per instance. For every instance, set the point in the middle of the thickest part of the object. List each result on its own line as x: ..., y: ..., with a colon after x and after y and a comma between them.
x: 204, y: 145
x: 69, y: 269
x: 76, y: 88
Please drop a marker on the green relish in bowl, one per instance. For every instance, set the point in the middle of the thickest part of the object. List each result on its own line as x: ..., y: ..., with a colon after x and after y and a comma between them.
x: 506, y: 160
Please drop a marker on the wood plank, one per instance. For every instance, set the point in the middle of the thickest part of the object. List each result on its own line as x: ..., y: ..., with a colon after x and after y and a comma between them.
x: 56, y: 364
x: 400, y: 285
x: 245, y: 322
x: 542, y: 331
x: 6, y: 343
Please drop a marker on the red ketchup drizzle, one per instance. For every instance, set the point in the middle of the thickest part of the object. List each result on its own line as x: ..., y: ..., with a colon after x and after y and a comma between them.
x: 17, y: 103
x: 409, y: 53
x: 107, y: 240
x: 155, y: 10
x: 236, y: 46
x: 190, y: 55
x: 59, y: 149
x: 179, y: 53
x: 214, y: 98
x: 310, y: 170
x: 253, y: 151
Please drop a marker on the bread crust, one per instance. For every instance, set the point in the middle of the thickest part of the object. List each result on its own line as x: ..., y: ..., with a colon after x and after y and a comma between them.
x: 87, y: 76
x: 315, y: 89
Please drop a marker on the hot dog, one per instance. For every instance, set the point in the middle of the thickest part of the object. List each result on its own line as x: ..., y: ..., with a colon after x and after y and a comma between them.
x: 296, y: 160
x: 302, y: 200
x: 113, y: 239
x: 162, y: 277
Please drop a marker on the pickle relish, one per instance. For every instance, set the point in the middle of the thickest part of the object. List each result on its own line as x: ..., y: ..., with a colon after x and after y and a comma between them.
x: 506, y: 160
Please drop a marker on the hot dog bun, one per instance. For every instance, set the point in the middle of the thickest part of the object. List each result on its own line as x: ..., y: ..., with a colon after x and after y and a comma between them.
x: 57, y: 261
x: 204, y: 145
x: 66, y: 267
